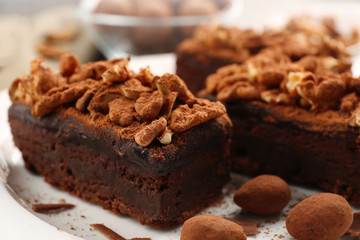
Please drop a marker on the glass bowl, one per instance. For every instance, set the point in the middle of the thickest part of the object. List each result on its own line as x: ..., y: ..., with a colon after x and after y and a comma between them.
x: 119, y: 35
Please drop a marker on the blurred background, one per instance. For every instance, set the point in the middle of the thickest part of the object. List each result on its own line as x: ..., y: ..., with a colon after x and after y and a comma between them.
x: 98, y: 29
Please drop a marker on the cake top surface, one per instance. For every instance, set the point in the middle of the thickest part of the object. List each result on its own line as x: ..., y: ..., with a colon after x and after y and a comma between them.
x: 139, y: 105
x: 301, y: 36
x: 314, y: 88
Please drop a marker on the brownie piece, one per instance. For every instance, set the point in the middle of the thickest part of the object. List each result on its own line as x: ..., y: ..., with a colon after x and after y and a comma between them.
x: 298, y: 120
x: 214, y: 46
x: 91, y: 130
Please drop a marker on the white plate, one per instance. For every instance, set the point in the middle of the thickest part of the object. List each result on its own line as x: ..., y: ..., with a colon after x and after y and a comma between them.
x: 18, y: 221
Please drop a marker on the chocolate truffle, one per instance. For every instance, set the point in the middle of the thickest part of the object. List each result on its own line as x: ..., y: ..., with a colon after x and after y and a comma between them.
x: 211, y: 227
x: 264, y: 195
x: 324, y: 216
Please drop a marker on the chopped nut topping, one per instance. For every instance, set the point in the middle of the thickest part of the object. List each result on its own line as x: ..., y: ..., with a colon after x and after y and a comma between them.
x: 83, y: 102
x: 166, y: 136
x: 172, y: 83
x: 184, y: 117
x: 309, y: 63
x: 325, y: 95
x: 121, y: 111
x: 93, y: 70
x: 102, y: 98
x: 68, y: 64
x: 348, y: 102
x: 309, y: 82
x: 148, y: 133
x: 60, y: 95
x: 145, y: 76
x: 240, y: 90
x: 229, y: 80
x: 29, y: 88
x: 271, y: 77
x: 118, y: 73
x: 274, y: 96
x: 138, y: 105
x: 295, y: 78
x: 354, y: 120
x: 253, y: 71
x: 168, y: 104
x: 148, y: 105
x: 133, y: 88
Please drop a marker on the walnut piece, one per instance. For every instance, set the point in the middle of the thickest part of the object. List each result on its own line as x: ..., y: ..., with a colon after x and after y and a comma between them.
x: 83, y: 102
x: 239, y: 90
x: 118, y: 73
x: 29, y: 88
x: 100, y: 101
x: 309, y: 63
x: 121, y: 111
x: 43, y: 79
x: 172, y: 83
x: 60, y: 95
x: 354, y: 120
x: 271, y: 77
x: 184, y: 117
x: 274, y: 96
x: 148, y: 105
x: 168, y: 104
x: 145, y: 76
x: 149, y: 132
x: 230, y: 80
x: 348, y: 102
x: 295, y: 78
x: 325, y: 95
x: 93, y: 70
x: 68, y: 64
x: 166, y: 136
x: 253, y: 71
x: 133, y: 88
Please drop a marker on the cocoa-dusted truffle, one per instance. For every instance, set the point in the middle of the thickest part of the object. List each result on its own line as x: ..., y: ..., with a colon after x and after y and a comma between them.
x: 264, y: 195
x: 211, y: 227
x: 324, y: 216
x: 122, y: 7
x: 152, y: 36
x: 194, y: 8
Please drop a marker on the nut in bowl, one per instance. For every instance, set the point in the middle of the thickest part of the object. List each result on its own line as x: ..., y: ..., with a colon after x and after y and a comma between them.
x: 122, y: 27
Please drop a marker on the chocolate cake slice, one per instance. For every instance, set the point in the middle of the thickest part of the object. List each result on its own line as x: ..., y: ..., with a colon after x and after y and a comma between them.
x: 298, y: 120
x: 135, y: 143
x: 214, y: 46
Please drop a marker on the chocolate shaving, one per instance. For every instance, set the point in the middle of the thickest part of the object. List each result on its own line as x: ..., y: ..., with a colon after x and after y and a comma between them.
x: 51, y: 208
x: 110, y: 234
x: 107, y: 232
x: 354, y: 230
x: 250, y: 228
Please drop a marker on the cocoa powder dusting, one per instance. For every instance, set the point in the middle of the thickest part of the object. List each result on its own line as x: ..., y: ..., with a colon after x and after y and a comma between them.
x: 107, y: 95
x: 250, y: 227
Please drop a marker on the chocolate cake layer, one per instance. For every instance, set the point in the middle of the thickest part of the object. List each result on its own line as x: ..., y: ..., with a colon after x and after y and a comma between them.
x: 160, y: 185
x: 317, y: 149
x: 136, y: 143
x: 194, y: 63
